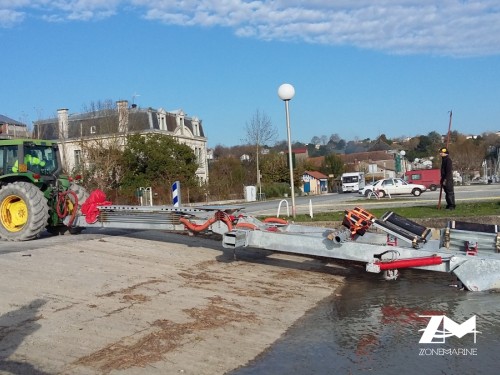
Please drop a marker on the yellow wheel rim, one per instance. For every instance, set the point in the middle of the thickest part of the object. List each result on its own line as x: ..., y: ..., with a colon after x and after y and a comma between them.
x: 14, y: 213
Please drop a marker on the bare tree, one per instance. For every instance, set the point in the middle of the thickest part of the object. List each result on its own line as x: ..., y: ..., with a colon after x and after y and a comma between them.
x: 335, y: 138
x: 468, y: 156
x: 259, y: 132
x: 101, y: 145
x: 315, y: 140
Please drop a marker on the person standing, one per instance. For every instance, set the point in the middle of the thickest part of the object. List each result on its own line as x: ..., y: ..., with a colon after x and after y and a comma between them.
x: 447, y: 178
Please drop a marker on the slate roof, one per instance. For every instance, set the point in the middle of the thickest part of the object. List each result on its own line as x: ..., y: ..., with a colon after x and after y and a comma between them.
x: 8, y: 120
x: 106, y: 122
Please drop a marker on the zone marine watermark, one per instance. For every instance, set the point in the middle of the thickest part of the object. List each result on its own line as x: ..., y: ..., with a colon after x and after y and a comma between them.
x: 440, y: 327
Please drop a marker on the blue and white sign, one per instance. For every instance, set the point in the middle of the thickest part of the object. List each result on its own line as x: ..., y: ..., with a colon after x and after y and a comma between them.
x: 176, y: 194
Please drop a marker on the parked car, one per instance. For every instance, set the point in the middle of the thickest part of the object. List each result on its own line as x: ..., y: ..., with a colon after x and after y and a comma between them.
x: 429, y: 177
x: 392, y: 186
x: 479, y: 180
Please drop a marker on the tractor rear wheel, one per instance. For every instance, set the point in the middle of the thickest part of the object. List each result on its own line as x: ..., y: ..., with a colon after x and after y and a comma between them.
x: 23, y: 211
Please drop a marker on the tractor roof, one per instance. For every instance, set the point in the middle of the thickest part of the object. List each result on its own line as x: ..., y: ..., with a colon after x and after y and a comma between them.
x: 20, y: 141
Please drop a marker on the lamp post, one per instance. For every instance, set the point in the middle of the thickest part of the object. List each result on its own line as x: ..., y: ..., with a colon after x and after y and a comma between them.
x: 403, y: 163
x: 286, y: 92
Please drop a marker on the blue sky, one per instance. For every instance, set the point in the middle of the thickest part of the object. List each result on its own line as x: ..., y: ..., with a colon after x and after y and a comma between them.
x: 359, y: 68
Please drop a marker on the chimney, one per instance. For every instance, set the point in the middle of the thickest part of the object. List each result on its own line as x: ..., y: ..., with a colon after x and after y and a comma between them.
x: 122, y: 106
x: 62, y: 119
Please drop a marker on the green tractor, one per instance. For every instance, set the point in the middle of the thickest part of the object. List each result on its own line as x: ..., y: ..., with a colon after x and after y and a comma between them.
x: 34, y: 194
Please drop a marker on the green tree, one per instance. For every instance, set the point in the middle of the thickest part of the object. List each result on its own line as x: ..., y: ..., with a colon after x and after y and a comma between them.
x: 435, y: 142
x: 227, y: 178
x: 275, y: 168
x: 429, y: 144
x: 333, y: 164
x: 340, y: 145
x: 157, y: 160
x: 276, y: 174
x: 383, y: 138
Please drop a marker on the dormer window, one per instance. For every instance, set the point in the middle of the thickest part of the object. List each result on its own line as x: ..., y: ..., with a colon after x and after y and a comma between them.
x: 162, y: 119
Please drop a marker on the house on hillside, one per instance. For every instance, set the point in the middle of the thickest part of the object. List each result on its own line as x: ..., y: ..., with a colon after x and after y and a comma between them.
x: 73, y: 131
x: 10, y: 128
x: 314, y: 183
x: 375, y: 164
x: 301, y: 153
x: 298, y: 154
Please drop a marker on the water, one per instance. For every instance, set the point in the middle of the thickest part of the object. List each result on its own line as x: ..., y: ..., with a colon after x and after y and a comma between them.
x: 372, y: 326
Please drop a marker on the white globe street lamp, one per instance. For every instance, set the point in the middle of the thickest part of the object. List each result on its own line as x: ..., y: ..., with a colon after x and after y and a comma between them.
x: 403, y: 163
x: 286, y: 92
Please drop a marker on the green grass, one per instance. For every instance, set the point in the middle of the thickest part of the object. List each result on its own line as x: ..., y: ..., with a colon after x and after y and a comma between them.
x: 473, y: 209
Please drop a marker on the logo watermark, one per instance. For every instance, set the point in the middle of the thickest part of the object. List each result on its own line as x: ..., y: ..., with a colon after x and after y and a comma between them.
x: 443, y: 351
x: 439, y: 328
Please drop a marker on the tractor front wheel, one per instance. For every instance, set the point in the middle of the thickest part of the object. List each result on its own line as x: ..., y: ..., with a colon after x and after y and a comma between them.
x: 23, y: 211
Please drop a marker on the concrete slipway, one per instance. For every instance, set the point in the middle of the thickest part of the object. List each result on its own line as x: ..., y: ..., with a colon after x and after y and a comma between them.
x: 148, y: 303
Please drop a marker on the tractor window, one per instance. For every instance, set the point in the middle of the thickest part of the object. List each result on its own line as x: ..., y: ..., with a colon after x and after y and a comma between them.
x: 10, y: 154
x: 40, y: 159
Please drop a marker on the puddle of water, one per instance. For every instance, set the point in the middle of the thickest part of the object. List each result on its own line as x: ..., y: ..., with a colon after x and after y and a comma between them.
x: 373, y: 327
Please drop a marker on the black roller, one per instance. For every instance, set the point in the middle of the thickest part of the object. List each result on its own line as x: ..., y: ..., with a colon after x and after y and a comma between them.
x: 405, y: 224
x: 474, y: 227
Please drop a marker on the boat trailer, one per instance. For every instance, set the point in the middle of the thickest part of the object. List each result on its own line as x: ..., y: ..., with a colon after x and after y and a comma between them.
x: 385, y: 245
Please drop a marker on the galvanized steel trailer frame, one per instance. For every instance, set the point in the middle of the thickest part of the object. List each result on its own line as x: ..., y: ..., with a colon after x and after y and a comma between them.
x: 471, y: 255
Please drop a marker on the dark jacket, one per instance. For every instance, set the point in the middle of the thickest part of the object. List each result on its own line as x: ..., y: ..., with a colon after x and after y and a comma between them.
x: 446, y: 171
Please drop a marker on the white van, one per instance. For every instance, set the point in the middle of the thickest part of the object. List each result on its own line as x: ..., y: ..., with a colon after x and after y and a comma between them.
x: 353, y: 181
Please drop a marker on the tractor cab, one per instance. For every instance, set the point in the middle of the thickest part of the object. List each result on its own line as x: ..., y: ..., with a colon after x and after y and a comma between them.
x: 33, y: 159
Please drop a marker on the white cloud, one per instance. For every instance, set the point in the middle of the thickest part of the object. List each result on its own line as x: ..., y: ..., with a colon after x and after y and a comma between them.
x: 60, y: 10
x: 443, y: 27
x: 9, y: 18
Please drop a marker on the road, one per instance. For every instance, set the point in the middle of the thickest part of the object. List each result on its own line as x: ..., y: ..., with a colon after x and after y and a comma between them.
x: 338, y: 202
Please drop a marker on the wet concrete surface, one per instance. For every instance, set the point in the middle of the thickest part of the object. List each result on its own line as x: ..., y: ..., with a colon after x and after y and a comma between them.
x: 373, y: 326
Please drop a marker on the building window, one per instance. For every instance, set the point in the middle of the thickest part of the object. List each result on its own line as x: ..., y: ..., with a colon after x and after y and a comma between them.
x: 78, y: 158
x: 199, y: 157
x: 92, y: 129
